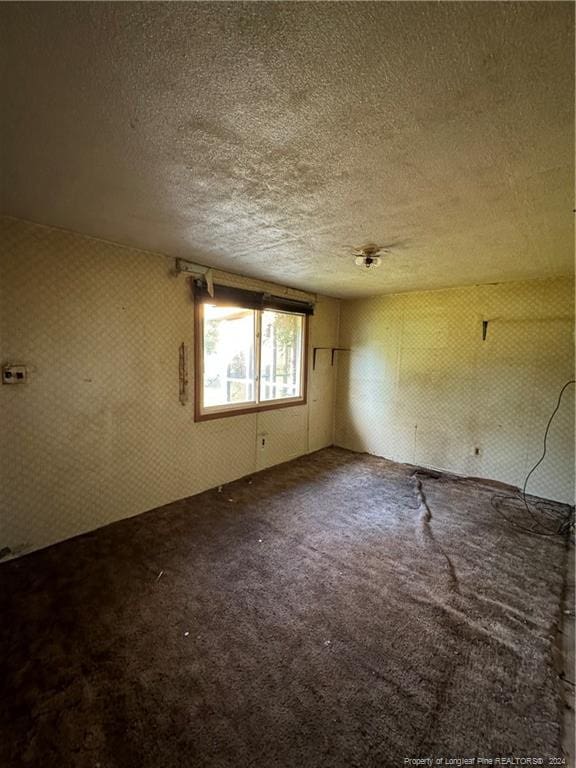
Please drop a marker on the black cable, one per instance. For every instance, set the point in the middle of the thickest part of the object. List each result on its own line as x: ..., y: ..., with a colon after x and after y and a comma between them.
x: 566, y: 524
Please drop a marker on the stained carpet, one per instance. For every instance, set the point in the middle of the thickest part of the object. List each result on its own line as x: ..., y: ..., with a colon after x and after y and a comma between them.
x: 335, y: 611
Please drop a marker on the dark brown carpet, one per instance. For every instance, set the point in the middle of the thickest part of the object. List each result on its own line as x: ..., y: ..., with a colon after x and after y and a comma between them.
x: 318, y: 615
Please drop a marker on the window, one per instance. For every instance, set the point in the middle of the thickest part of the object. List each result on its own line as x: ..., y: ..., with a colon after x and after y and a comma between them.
x: 229, y: 366
x: 248, y: 358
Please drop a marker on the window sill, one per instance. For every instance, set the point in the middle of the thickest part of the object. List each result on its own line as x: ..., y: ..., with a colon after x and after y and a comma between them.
x: 276, y: 405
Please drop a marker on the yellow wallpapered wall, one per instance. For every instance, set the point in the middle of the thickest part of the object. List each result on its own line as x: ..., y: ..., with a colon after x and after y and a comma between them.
x: 98, y: 432
x: 421, y: 386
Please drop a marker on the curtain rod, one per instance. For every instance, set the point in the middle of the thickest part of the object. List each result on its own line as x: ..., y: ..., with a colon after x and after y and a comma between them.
x: 201, y: 270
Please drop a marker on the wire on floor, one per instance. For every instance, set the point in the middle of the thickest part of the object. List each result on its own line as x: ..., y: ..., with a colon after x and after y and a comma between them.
x: 562, y: 522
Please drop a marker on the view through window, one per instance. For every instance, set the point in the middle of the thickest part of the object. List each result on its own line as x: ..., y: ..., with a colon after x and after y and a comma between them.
x: 250, y: 357
x: 280, y: 355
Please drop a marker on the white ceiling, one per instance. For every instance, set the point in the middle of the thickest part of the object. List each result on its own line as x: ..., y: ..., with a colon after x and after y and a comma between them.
x: 264, y: 138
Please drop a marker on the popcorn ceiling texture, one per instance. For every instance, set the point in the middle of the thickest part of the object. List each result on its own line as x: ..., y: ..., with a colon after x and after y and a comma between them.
x: 421, y: 386
x: 98, y: 432
x: 264, y: 138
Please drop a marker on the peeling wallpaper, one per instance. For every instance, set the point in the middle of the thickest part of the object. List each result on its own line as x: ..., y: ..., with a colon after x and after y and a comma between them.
x: 98, y: 432
x: 421, y: 386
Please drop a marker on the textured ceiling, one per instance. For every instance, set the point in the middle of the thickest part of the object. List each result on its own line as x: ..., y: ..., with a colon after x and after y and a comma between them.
x: 264, y: 138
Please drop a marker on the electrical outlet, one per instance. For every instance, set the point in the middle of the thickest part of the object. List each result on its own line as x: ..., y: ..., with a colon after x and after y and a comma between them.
x: 14, y: 374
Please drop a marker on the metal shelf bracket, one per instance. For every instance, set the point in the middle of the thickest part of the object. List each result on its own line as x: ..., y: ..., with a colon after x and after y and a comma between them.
x: 333, y: 351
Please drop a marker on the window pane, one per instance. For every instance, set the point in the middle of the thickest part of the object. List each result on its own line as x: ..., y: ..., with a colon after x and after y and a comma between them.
x: 228, y: 355
x: 280, y: 355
